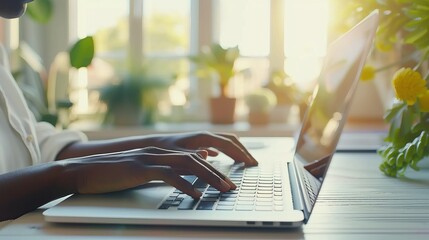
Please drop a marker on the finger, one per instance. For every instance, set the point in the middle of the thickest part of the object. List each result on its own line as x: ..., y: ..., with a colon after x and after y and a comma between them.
x: 212, y: 152
x: 229, y: 147
x: 169, y: 176
x: 237, y: 142
x: 185, y: 161
x: 202, y: 153
x: 217, y: 172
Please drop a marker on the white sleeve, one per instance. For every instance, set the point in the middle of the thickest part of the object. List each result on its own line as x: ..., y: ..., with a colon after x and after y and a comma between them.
x: 51, y: 141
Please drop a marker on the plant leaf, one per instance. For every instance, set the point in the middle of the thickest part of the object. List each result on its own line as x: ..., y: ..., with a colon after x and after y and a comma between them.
x: 40, y: 11
x: 394, y: 111
x: 82, y: 52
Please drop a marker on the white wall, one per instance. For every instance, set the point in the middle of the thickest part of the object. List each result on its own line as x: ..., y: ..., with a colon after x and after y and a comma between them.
x: 51, y: 38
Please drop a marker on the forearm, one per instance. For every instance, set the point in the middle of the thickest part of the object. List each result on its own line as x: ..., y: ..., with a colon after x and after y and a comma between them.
x: 80, y: 149
x: 27, y: 189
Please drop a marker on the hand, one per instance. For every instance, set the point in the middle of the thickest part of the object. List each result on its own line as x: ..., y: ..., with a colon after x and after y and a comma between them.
x: 318, y: 168
x: 123, y: 170
x: 192, y: 142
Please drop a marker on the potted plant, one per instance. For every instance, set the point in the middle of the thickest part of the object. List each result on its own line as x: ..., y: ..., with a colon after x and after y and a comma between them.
x: 287, y: 94
x: 216, y: 61
x: 132, y: 100
x: 260, y: 104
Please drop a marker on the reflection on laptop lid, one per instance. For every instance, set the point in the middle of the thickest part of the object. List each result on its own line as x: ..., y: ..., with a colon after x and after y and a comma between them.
x: 327, y: 113
x: 280, y: 192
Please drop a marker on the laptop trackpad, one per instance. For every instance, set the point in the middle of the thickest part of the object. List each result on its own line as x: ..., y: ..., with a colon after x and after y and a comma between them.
x: 146, y: 196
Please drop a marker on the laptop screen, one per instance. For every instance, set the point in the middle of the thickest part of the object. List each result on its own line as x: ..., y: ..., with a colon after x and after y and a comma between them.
x: 328, y: 109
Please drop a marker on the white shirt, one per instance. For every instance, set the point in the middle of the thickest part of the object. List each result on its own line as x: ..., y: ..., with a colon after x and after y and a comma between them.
x: 23, y: 140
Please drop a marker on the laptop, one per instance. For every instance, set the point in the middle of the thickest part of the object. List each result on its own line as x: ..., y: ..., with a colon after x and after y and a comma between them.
x: 279, y: 193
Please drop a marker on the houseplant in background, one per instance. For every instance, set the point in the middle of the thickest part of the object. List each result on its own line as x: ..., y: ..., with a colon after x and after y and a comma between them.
x: 403, y: 26
x: 260, y: 103
x: 217, y: 62
x: 287, y: 95
x: 132, y: 99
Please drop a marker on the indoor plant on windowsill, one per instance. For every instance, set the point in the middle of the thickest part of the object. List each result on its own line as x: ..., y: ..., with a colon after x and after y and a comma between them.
x: 218, y: 62
x: 260, y: 103
x: 132, y: 100
x: 287, y: 94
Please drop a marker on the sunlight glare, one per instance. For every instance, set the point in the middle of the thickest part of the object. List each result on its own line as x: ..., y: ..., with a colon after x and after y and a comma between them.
x: 305, y: 39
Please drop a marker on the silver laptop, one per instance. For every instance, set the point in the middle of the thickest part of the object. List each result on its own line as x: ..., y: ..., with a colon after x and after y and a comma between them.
x: 280, y: 192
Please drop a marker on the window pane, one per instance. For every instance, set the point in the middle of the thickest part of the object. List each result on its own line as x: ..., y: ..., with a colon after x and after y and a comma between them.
x: 305, y: 27
x: 305, y: 31
x: 166, y: 27
x: 107, y: 22
x: 246, y: 24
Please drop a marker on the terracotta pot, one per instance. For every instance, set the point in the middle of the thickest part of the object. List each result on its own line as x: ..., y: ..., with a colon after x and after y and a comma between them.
x: 222, y: 110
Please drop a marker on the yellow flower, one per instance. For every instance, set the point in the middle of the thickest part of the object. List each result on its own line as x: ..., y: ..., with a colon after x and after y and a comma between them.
x: 368, y: 73
x: 424, y: 102
x: 408, y: 85
x: 383, y: 46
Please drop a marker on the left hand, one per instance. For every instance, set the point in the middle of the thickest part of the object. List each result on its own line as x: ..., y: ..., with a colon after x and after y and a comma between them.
x: 196, y: 141
x: 117, y: 171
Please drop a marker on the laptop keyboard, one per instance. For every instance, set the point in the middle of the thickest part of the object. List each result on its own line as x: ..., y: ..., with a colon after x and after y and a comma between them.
x: 311, y: 184
x: 258, y: 189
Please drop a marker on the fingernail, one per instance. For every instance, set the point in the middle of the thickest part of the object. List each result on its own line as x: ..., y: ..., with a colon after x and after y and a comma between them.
x: 202, y: 154
x: 225, y: 185
x: 231, y: 184
x: 197, y: 194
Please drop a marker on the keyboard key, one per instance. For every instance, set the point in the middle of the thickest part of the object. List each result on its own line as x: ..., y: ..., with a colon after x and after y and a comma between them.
x: 262, y: 203
x: 176, y: 203
x: 164, y: 206
x: 244, y: 203
x: 190, y: 178
x: 211, y: 195
x: 204, y: 205
x: 209, y: 199
x: 244, y: 207
x: 224, y: 207
x: 228, y: 199
x: 263, y: 208
x: 187, y: 204
x: 226, y: 203
x: 264, y: 198
x: 199, y: 183
x: 278, y: 208
x: 245, y: 199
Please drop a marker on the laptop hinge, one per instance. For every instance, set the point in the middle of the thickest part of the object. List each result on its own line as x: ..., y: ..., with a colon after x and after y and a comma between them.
x: 298, y: 203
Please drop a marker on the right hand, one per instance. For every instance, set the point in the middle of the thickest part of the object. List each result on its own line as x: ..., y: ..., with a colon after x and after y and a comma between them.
x: 123, y: 170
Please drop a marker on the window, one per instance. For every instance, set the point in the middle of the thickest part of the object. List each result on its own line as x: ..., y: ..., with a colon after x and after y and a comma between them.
x: 161, y: 34
x: 305, y: 39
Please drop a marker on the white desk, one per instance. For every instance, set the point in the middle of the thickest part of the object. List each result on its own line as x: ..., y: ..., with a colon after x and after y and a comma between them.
x: 356, y: 202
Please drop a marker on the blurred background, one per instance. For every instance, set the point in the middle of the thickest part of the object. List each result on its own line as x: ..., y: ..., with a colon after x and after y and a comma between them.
x: 169, y: 65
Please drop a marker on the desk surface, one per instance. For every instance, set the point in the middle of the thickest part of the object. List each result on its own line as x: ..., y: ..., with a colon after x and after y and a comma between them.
x: 356, y: 202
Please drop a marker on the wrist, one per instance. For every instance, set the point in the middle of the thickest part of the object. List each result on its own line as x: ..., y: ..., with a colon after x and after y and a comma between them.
x: 65, y: 177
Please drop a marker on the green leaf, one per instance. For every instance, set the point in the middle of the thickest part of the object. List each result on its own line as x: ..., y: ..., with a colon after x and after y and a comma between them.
x: 82, y: 52
x: 40, y: 11
x: 415, y: 35
x: 394, y: 111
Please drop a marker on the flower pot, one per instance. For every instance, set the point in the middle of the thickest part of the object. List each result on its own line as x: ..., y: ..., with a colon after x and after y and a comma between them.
x: 222, y: 110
